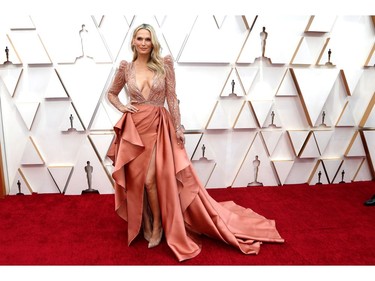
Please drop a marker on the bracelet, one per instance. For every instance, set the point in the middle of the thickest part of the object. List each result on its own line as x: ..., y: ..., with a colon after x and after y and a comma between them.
x: 178, y: 128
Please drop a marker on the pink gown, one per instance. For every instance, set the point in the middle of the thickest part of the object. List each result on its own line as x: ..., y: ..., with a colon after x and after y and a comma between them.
x: 187, y: 209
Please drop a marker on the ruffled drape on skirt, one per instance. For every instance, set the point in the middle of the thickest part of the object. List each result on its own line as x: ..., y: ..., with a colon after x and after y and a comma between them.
x: 186, y: 207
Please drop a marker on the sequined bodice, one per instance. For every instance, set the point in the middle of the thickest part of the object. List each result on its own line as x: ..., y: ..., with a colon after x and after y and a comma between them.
x: 157, y: 91
x: 162, y: 88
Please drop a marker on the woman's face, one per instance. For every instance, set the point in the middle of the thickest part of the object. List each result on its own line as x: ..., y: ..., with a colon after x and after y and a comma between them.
x: 142, y: 42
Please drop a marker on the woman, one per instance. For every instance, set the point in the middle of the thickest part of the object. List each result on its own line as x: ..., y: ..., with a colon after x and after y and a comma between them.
x: 156, y: 188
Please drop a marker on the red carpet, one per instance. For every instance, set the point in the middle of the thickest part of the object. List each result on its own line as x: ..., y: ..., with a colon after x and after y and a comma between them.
x: 322, y: 225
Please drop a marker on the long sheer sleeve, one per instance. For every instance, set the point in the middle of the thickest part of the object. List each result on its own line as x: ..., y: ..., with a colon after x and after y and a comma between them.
x: 170, y: 86
x: 116, y: 86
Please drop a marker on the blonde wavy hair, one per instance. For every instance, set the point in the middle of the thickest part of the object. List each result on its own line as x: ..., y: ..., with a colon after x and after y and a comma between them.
x: 155, y: 62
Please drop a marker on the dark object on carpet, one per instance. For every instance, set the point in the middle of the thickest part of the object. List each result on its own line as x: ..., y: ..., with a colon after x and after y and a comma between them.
x: 370, y: 202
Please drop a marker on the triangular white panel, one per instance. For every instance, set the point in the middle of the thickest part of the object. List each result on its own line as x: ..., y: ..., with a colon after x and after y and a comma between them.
x: 55, y: 89
x: 266, y: 83
x: 283, y: 169
x: 352, y: 76
x: 348, y: 170
x: 356, y: 147
x: 60, y: 175
x: 10, y: 76
x: 204, y: 170
x: 304, y: 53
x: 287, y: 86
x: 228, y: 40
x: 322, y: 23
x: 315, y: 45
x: 262, y: 110
x: 101, y: 143
x: 327, y: 59
x: 10, y: 59
x: 322, y: 139
x: 312, y: 82
x: 225, y: 114
x: 324, y: 119
x: 332, y: 167
x: 201, y: 150
x: 346, y: 118
x: 100, y: 178
x: 273, y: 119
x: 30, y: 47
x: 280, y: 29
x: 334, y: 104
x: 227, y: 160
x: 364, y: 172
x: 284, y: 149
x: 80, y: 31
x: 248, y: 172
x: 20, y: 185
x: 246, y: 119
x: 219, y: 118
x: 40, y: 179
x: 271, y: 139
x: 101, y: 120
x: 28, y: 112
x: 233, y: 86
x: 204, y: 149
x: 351, y: 34
x: 85, y: 91
x: 291, y: 113
x: 31, y: 154
x: 319, y: 175
x: 310, y: 149
x: 252, y: 47
x: 191, y: 143
x: 114, y: 29
x: 298, y: 138
x: 71, y: 121
x: 247, y: 76
x: 201, y: 83
x: 339, y: 142
x: 301, y: 171
x: 176, y: 30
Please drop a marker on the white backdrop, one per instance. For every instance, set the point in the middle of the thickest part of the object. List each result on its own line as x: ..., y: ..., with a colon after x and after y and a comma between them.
x: 307, y: 122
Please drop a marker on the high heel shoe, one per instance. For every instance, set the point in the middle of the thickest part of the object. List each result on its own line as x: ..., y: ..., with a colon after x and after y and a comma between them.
x: 147, y: 236
x: 155, y: 242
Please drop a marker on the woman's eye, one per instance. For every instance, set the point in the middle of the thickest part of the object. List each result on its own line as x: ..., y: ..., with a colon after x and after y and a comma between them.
x: 141, y: 39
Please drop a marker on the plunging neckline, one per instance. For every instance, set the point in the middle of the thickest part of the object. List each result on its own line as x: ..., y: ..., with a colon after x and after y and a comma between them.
x: 136, y: 84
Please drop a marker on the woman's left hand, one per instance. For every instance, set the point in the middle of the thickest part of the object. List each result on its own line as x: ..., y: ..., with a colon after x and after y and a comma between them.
x: 180, y: 137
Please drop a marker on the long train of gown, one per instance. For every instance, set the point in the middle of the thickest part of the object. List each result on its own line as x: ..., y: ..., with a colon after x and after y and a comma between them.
x: 187, y: 209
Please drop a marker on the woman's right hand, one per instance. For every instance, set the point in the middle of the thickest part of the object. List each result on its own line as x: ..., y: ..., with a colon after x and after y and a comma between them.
x: 130, y: 108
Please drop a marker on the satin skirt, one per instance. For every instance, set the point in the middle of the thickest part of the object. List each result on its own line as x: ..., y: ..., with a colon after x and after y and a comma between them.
x: 187, y: 209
